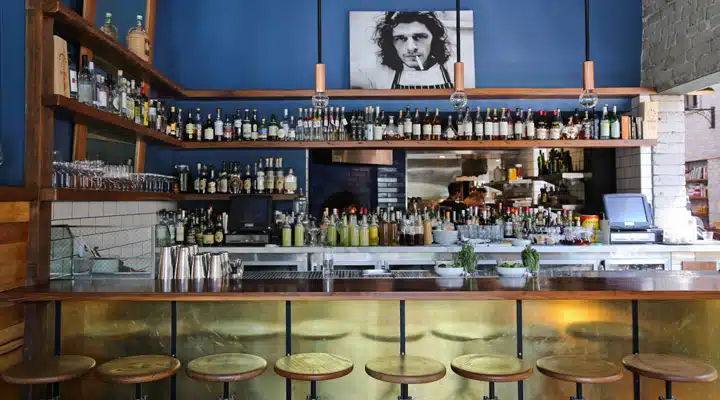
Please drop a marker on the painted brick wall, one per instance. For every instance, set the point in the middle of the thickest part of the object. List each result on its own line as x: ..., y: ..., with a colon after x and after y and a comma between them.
x: 703, y: 143
x: 681, y: 41
x: 118, y: 229
x: 714, y: 189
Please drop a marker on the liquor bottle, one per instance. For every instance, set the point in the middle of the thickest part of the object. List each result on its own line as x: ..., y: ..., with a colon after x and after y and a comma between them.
x: 279, y: 176
x: 72, y: 76
x: 108, y: 28
x: 263, y: 130
x: 369, y: 124
x: 93, y: 83
x: 436, y: 126
x: 542, y: 128
x: 208, y: 129
x: 203, y: 180
x: 290, y: 182
x: 468, y: 125
x: 614, y: 124
x: 218, y: 127
x: 269, y: 176
x: 212, y: 182
x: 605, y: 124
x: 343, y: 129
x: 488, y: 125
x: 479, y: 125
x: 284, y: 128
x: 153, y: 113
x: 378, y: 129
x: 190, y: 232
x: 556, y: 125
x: 219, y: 231
x: 209, y: 232
x: 427, y: 125
x: 180, y: 228
x: 416, y: 133
x: 586, y: 128
x: 227, y: 129
x: 519, y: 126
x: 503, y: 127
x: 131, y: 100
x: 246, y: 126
x: 234, y: 179
x: 145, y: 110
x: 254, y: 125
x: 237, y: 126
x: 180, y: 124
x: 449, y: 133
x: 259, y: 178
x: 495, y: 123
x: 247, y: 181
x: 530, y: 125
x: 460, y: 126
x: 299, y: 232
x: 222, y: 186
x: 392, y: 131
x: 407, y: 124
x: 102, y: 90
x: 292, y: 129
x: 189, y: 128
x: 300, y: 126
x: 272, y: 128
x: 196, y: 182
x: 85, y: 85
x: 198, y: 126
x: 137, y: 40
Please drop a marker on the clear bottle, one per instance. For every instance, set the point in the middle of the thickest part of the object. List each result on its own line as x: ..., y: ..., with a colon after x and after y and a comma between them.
x: 85, y: 84
x: 72, y: 77
x: 556, y: 125
x: 290, y: 182
x: 332, y: 231
x: 102, y: 94
x: 449, y: 133
x: 137, y: 40
x: 391, y: 131
x: 605, y: 124
x: 130, y: 100
x: 436, y: 126
x: 162, y: 232
x: 108, y: 28
x: 344, y: 232
x: 354, y: 231
x: 530, y: 125
x: 503, y: 127
x: 299, y: 231
x: 287, y: 233
x: 218, y: 127
x: 180, y: 227
x: 479, y: 125
x: 519, y: 126
x: 467, y: 125
x: 614, y: 124
x: 373, y: 231
x: 379, y: 122
x: 364, y: 232
x: 284, y: 127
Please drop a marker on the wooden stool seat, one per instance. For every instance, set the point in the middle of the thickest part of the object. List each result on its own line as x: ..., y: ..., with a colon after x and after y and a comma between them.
x: 313, y: 366
x: 579, y: 369
x: 405, y: 369
x: 245, y: 330
x: 491, y: 368
x: 226, y: 367
x: 465, y: 331
x: 391, y: 333
x: 670, y: 368
x: 48, y: 370
x: 603, y: 330
x: 138, y: 369
x: 320, y: 329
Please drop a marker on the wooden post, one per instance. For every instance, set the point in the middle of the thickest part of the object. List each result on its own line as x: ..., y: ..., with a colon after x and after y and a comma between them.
x: 140, y: 144
x: 80, y: 130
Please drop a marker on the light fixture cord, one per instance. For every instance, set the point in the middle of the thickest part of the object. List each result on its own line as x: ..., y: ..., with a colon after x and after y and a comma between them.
x: 319, y: 28
x: 587, y: 30
x: 457, y: 28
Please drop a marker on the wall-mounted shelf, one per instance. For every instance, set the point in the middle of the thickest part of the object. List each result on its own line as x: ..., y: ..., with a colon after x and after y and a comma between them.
x: 104, y: 195
x: 72, y: 25
x: 698, y: 198
x: 696, y: 181
x: 17, y: 193
x: 91, y: 115
x: 423, y: 144
x: 421, y: 94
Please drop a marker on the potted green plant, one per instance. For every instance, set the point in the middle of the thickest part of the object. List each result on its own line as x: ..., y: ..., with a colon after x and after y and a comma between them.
x: 531, y: 259
x: 466, y: 258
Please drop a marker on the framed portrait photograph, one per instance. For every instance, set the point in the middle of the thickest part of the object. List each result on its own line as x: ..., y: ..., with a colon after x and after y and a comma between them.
x: 409, y: 49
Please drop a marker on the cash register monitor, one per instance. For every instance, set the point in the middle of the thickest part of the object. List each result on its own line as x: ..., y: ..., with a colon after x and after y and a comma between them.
x: 250, y: 213
x: 628, y: 211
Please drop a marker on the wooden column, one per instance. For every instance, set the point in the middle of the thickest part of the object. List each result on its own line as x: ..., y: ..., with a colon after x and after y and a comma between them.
x: 140, y: 143
x: 80, y: 130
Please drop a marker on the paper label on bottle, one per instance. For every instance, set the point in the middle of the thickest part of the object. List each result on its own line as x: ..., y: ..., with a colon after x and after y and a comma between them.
x: 378, y: 132
x: 246, y: 129
x: 247, y: 185
x: 218, y: 128
x: 541, y: 133
x: 460, y: 131
x: 291, y: 134
x: 219, y: 236
x: 102, y: 99
x: 369, y: 132
x: 437, y: 130
x: 254, y: 135
x: 503, y: 128
x: 605, y: 129
x: 203, y: 185
x: 518, y: 129
x: 281, y: 132
x: 615, y: 130
x: 190, y: 130
x: 496, y: 129
x: 279, y: 183
x: 530, y: 130
x: 223, y: 186
x: 208, y: 239
x: 479, y: 130
x: 344, y: 122
x: 272, y: 131
x: 209, y: 133
x: 212, y: 187
x: 427, y: 129
x: 450, y: 133
x: 263, y: 133
x: 468, y: 128
x: 554, y: 133
x: 260, y: 183
x: 488, y: 129
x: 180, y: 230
x: 73, y: 81
x: 572, y: 132
x: 416, y: 131
x: 408, y: 128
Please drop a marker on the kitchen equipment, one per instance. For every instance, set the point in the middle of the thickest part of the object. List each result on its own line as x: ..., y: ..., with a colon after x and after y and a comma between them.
x: 182, y: 266
x: 250, y: 220
x: 445, y: 238
x: 215, y: 269
x: 197, y: 270
x: 166, y: 265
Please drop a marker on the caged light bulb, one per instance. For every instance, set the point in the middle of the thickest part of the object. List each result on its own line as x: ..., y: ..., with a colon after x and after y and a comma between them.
x: 458, y: 99
x: 588, y: 98
x: 320, y: 100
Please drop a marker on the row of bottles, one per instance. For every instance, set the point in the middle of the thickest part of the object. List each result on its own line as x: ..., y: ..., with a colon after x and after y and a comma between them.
x: 200, y: 227
x: 267, y: 176
x: 137, y: 38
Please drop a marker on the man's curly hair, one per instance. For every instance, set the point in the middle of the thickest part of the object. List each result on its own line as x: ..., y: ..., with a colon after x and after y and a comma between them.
x: 383, y: 37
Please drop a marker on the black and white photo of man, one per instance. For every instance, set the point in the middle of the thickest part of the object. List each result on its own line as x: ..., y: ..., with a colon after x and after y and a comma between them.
x: 406, y: 49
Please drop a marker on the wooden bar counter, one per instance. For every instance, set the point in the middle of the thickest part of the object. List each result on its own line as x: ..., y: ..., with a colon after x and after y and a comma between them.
x: 647, y: 285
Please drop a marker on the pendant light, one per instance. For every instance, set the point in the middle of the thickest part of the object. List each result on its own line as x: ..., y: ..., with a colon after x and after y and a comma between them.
x: 589, y: 97
x: 458, y: 99
x: 320, y: 99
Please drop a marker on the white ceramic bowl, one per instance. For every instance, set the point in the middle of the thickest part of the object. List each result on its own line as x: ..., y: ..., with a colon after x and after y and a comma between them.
x: 511, y: 272
x: 445, y: 238
x: 520, y: 242
x: 449, y: 272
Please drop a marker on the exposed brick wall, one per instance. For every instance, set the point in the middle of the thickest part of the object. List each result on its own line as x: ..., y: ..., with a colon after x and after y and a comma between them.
x: 714, y: 189
x: 703, y: 143
x: 681, y: 41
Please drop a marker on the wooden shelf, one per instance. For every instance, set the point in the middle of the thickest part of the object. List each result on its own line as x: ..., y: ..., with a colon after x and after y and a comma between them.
x: 72, y: 25
x: 424, y: 144
x: 696, y: 180
x: 17, y: 193
x: 698, y: 197
x: 227, y: 196
x: 91, y: 115
x: 420, y: 94
x: 699, y: 214
x: 102, y: 195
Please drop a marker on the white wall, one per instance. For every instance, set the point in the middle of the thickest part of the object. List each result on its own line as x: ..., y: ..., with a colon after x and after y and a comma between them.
x: 703, y: 143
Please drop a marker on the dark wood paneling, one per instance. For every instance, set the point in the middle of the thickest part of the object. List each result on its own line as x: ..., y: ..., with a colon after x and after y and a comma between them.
x: 14, y: 232
x: 14, y: 212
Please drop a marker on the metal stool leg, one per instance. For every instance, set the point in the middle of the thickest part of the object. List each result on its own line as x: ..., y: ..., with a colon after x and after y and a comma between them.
x: 492, y: 392
x: 138, y: 392
x: 313, y: 391
x: 226, y: 392
x: 50, y: 392
x: 668, y: 391
x: 404, y: 392
x: 578, y: 392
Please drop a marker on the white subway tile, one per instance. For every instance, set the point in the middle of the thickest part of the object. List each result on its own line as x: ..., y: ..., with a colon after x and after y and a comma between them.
x: 145, y: 207
x: 127, y: 220
x: 61, y: 210
x: 79, y: 209
x: 121, y: 208
x: 95, y: 209
x: 131, y: 207
x: 109, y: 208
x: 102, y: 221
x: 116, y: 221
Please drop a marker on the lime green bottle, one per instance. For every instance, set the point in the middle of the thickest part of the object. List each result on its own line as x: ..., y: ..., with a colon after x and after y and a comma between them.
x: 344, y: 232
x: 354, y: 232
x: 287, y: 233
x: 299, y: 232
x: 332, y: 231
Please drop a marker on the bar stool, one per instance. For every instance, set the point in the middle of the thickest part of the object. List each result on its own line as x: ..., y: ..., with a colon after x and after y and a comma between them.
x: 49, y: 371
x: 670, y: 369
x: 579, y: 369
x: 491, y: 368
x: 313, y: 367
x: 226, y: 368
x: 138, y: 370
x: 405, y: 370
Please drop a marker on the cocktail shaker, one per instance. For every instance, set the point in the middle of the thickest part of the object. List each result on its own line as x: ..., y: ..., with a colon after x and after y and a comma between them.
x: 226, y: 262
x: 166, y: 266
x: 215, y: 270
x: 197, y: 269
x: 182, y: 268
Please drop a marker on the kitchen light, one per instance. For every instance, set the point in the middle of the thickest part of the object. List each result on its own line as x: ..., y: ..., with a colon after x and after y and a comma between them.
x: 320, y: 99
x: 458, y: 98
x: 588, y: 98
